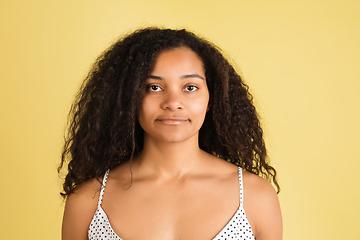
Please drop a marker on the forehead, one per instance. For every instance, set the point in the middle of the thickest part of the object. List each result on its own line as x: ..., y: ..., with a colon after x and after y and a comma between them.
x: 181, y: 59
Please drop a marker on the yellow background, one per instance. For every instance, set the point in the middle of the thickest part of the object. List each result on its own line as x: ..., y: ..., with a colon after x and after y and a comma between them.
x: 300, y: 58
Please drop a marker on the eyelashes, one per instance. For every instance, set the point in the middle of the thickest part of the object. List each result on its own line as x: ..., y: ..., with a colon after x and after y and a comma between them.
x: 153, y: 88
x: 159, y: 88
x: 191, y: 88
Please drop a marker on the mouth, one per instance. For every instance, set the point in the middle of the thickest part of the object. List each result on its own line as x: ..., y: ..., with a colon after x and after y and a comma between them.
x: 172, y: 120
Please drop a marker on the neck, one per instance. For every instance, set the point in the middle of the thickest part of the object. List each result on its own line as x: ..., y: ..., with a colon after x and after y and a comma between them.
x: 169, y: 160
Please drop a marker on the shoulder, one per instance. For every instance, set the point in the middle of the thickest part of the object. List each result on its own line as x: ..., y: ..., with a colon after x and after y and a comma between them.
x: 258, y: 185
x: 262, y: 207
x: 80, y: 207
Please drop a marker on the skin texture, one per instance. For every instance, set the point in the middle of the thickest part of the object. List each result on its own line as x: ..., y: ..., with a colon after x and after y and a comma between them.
x: 178, y: 191
x: 176, y: 99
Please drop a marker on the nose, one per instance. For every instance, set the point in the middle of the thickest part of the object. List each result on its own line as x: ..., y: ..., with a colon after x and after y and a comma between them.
x: 172, y: 101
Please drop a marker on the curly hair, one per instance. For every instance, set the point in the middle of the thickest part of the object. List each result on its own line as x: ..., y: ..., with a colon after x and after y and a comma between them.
x: 103, y: 129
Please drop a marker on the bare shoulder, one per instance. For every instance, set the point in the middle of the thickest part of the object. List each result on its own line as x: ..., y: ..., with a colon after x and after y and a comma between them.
x: 258, y: 187
x: 262, y: 207
x: 220, y: 165
x: 80, y: 207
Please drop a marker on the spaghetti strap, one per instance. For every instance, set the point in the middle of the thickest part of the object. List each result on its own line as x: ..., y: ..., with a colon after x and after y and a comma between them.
x: 103, y: 187
x: 241, y: 187
x: 238, y: 227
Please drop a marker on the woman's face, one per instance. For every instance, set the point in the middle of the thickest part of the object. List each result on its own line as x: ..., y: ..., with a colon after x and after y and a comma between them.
x: 176, y: 98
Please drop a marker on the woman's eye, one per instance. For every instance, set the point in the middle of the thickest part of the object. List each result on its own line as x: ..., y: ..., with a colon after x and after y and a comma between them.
x: 154, y: 88
x: 191, y: 88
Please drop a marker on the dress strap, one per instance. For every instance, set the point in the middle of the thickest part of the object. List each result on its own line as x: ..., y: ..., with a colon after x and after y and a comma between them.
x: 103, y: 187
x: 241, y: 187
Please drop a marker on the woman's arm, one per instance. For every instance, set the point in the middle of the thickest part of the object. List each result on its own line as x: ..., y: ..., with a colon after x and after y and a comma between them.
x: 262, y: 208
x: 79, y: 210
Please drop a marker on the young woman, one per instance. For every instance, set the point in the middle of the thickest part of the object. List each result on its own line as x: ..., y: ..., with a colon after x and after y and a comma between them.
x: 165, y: 143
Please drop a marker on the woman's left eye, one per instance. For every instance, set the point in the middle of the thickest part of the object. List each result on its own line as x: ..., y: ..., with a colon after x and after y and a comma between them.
x: 191, y: 88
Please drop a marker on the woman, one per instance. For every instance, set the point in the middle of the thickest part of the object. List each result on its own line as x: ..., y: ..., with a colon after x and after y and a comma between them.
x: 165, y: 143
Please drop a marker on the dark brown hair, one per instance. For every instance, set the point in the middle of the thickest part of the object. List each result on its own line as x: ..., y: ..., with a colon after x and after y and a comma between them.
x: 103, y: 127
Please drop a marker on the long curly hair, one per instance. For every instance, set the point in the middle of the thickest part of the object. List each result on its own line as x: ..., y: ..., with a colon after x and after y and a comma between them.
x: 103, y: 129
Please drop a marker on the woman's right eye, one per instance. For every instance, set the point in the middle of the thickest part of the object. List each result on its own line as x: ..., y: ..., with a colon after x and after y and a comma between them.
x: 154, y: 88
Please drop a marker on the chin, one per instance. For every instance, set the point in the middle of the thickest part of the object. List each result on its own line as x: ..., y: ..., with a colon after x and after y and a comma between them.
x: 175, y: 137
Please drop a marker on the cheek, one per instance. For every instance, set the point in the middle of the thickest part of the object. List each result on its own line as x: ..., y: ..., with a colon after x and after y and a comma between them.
x: 145, y: 110
x: 200, y: 107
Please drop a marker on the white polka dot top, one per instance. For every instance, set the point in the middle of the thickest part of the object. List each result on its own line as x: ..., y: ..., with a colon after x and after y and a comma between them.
x: 237, y: 228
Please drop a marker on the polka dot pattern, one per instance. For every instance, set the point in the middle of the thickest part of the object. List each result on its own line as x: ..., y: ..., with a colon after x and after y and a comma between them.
x: 100, y: 227
x: 237, y: 228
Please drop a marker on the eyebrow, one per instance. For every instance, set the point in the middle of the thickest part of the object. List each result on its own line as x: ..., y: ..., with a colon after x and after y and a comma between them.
x: 182, y: 77
x: 192, y: 76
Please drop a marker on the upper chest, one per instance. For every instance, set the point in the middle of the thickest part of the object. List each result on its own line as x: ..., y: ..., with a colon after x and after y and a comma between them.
x: 196, y: 209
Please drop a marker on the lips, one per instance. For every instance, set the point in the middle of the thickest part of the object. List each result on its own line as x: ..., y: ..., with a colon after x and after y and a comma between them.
x: 172, y: 120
